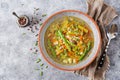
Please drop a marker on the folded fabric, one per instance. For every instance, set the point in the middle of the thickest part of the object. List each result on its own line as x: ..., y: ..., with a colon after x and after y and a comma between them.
x: 103, y: 14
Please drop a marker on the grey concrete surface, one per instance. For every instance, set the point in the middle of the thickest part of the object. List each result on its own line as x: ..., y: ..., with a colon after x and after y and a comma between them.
x: 17, y: 62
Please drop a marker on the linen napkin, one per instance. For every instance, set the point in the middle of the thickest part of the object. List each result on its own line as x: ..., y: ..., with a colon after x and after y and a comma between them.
x: 103, y: 14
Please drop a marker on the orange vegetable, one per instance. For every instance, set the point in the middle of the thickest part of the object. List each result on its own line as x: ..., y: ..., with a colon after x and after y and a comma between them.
x: 81, y: 38
x: 69, y: 54
x: 72, y: 34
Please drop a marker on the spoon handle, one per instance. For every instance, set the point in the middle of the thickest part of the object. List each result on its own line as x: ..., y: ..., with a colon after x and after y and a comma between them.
x: 102, y: 57
x: 107, y: 45
x: 15, y: 15
x: 113, y: 32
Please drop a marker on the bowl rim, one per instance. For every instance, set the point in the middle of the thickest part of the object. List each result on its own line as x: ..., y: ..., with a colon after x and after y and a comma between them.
x: 44, y: 23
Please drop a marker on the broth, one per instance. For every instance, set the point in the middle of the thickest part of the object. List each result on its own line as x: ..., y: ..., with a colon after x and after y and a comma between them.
x: 68, y: 40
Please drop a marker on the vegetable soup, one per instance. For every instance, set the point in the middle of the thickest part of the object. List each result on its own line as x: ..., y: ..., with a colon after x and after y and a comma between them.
x: 68, y: 40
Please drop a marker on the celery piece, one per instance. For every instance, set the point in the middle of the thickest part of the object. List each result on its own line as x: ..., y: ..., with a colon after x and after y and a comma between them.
x: 82, y: 28
x: 64, y: 55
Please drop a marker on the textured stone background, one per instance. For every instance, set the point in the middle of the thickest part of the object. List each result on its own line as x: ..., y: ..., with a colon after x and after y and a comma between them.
x: 16, y: 60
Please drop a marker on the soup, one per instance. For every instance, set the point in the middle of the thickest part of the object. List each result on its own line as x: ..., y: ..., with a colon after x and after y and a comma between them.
x: 68, y: 40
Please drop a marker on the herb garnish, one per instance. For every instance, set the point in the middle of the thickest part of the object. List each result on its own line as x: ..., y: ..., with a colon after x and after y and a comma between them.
x: 44, y: 15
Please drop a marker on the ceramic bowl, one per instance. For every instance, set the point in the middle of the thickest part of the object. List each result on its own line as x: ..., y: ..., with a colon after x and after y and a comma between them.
x: 96, y: 33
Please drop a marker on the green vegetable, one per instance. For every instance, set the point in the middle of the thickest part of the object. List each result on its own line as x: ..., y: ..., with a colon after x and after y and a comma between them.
x: 41, y: 24
x: 38, y: 60
x: 36, y: 43
x: 86, y: 51
x: 83, y: 28
x: 64, y: 39
x: 70, y: 43
x: 23, y: 33
x: 44, y: 15
x: 89, y: 45
x: 34, y: 53
x: 82, y: 23
x: 83, y: 55
x: 75, y: 48
x: 37, y: 69
x: 46, y: 66
x: 63, y: 56
x: 42, y: 64
x: 51, y: 48
x: 41, y: 73
x: 56, y: 33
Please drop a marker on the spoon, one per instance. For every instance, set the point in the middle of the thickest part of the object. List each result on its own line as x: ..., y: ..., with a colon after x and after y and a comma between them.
x: 112, y: 33
x: 16, y: 15
x: 22, y: 21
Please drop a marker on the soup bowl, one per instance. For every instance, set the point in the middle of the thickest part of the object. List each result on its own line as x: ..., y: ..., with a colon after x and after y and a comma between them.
x: 96, y: 34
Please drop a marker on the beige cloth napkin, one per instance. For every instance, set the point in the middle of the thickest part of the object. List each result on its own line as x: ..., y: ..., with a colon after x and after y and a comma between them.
x: 103, y: 14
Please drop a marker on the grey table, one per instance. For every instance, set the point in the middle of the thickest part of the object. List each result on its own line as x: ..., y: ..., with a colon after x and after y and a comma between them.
x: 17, y: 62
